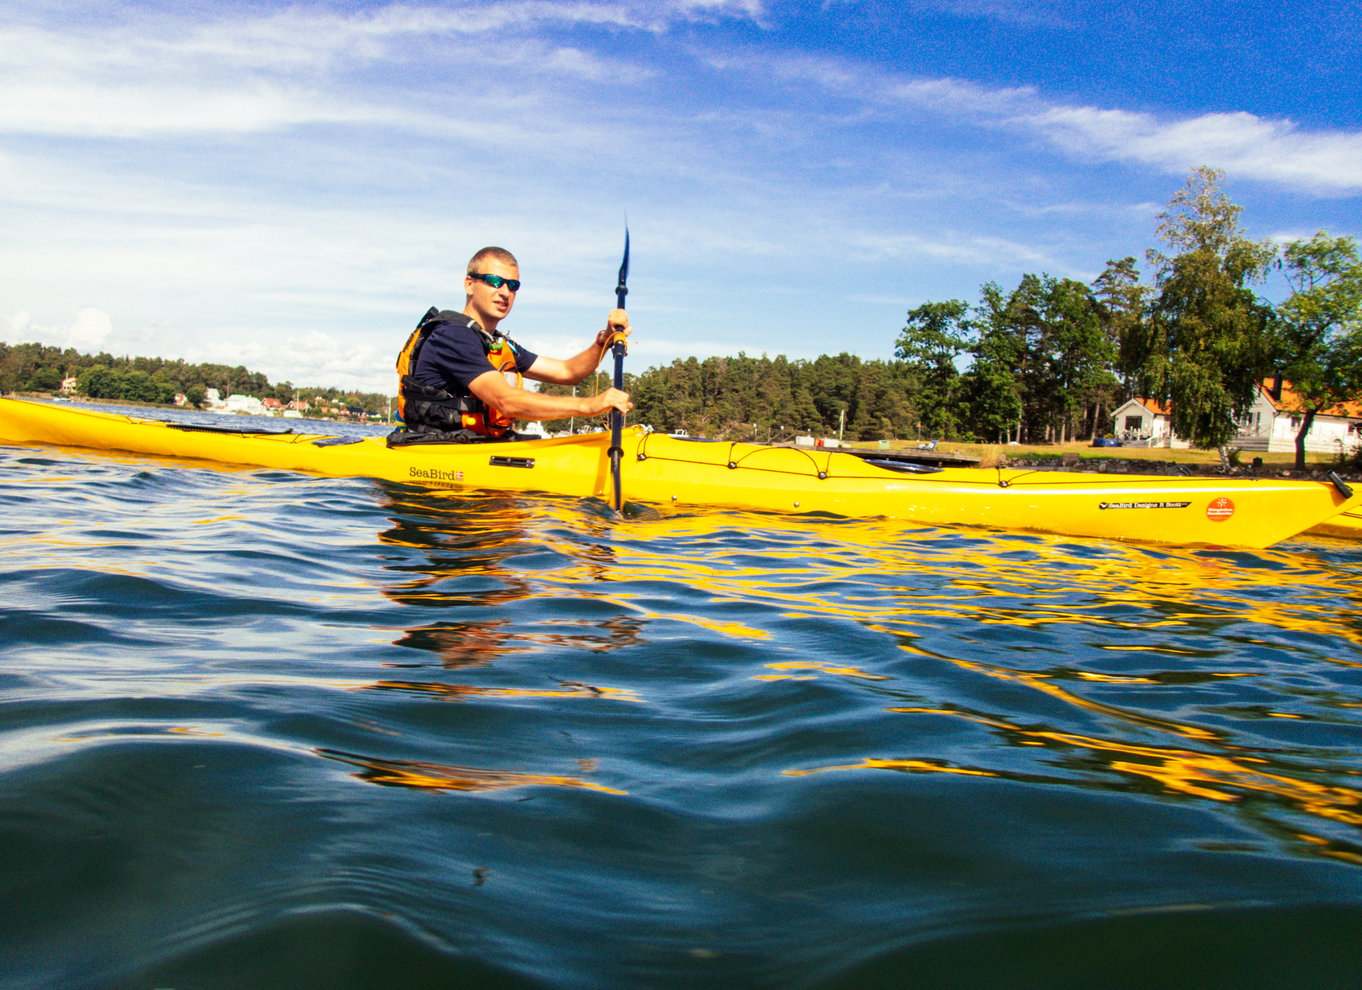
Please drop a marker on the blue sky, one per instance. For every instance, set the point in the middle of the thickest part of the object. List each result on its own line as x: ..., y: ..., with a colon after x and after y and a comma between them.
x: 289, y: 186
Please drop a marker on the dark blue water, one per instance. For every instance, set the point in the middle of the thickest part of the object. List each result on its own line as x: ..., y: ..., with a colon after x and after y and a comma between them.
x: 266, y: 730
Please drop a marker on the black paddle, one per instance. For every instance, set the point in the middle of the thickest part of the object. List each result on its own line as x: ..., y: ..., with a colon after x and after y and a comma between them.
x: 619, y: 349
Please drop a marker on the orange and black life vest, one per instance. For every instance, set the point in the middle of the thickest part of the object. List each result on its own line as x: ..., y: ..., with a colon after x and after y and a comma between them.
x: 423, y: 408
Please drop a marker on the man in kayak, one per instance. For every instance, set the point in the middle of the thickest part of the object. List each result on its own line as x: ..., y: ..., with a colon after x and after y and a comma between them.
x: 460, y: 378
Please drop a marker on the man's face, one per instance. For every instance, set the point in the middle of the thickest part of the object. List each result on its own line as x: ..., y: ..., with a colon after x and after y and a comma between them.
x: 491, y: 305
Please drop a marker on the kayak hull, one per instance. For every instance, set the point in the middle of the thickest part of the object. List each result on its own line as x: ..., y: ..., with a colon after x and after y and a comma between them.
x: 665, y: 470
x: 1346, y: 525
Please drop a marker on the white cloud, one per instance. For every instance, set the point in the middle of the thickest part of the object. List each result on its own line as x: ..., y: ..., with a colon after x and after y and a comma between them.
x: 311, y: 358
x: 958, y: 247
x: 1242, y: 144
x: 87, y: 332
x: 950, y: 97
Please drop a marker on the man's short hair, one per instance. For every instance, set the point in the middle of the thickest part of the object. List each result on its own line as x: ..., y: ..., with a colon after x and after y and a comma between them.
x: 496, y: 254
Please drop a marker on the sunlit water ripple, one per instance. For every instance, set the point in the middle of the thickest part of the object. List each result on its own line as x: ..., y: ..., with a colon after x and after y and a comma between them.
x: 266, y: 730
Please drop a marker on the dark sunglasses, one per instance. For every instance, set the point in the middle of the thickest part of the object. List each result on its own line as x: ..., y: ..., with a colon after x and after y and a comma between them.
x: 496, y: 281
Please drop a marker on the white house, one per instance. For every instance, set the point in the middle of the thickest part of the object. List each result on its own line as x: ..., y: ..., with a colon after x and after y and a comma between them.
x: 1276, y: 416
x: 1271, y: 423
x: 247, y: 405
x: 1145, y: 423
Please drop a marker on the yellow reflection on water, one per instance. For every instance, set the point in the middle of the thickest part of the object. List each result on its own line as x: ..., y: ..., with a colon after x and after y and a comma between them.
x: 137, y: 731
x: 644, y: 613
x: 461, y: 692
x: 1210, y: 776
x: 879, y: 572
x: 1330, y: 848
x: 819, y: 666
x: 1087, y: 600
x: 447, y: 777
x: 890, y: 576
x: 1043, y: 681
x: 911, y: 766
x: 1084, y: 675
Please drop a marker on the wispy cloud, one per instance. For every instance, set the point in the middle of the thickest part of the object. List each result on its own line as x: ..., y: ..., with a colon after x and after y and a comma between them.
x: 88, y: 330
x: 300, y: 66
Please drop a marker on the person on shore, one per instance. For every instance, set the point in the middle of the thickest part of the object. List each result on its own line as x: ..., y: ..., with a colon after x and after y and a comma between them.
x: 460, y: 378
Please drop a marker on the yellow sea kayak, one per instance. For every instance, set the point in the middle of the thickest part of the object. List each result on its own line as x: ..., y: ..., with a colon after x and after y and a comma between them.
x: 666, y: 470
x: 1347, y: 525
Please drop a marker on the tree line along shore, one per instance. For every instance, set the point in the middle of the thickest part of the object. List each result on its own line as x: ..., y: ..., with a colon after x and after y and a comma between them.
x: 1046, y: 362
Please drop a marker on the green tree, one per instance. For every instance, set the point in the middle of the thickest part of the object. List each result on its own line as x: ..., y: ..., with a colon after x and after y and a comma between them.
x: 100, y: 382
x: 875, y: 405
x: 804, y: 413
x: 775, y: 398
x: 1209, y: 335
x: 45, y: 379
x: 138, y: 386
x: 934, y: 335
x: 1122, y: 300
x: 1078, y: 356
x: 1320, y: 326
x: 990, y: 403
x: 1041, y: 354
x: 990, y: 391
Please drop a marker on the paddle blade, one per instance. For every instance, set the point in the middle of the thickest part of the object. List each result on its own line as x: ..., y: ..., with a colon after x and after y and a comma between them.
x: 622, y: 287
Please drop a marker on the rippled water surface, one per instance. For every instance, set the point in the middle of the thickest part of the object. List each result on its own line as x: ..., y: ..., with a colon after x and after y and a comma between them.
x: 266, y: 730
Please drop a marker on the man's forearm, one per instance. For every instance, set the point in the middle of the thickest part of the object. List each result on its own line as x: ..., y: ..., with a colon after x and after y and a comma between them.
x: 580, y: 366
x: 521, y: 404
x: 565, y: 371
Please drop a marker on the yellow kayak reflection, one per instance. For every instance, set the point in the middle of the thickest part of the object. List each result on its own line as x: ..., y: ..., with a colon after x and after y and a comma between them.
x: 1139, y: 623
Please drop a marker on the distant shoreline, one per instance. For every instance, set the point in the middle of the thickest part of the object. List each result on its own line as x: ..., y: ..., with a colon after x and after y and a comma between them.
x: 137, y: 404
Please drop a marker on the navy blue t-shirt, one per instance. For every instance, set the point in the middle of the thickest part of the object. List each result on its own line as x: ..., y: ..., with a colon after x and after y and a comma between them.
x: 452, y: 355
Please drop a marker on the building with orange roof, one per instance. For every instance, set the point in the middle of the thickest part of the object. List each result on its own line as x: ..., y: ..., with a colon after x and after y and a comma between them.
x: 1271, y: 423
x: 1276, y: 415
x: 1145, y: 423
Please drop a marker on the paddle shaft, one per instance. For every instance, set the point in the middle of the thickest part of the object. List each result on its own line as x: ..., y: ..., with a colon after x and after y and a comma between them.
x: 619, y: 349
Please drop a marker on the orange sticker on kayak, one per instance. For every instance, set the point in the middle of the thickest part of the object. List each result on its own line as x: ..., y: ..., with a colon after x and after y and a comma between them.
x: 1220, y: 509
